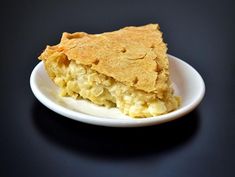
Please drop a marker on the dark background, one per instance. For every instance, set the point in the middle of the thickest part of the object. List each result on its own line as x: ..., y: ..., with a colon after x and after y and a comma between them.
x: 35, y: 141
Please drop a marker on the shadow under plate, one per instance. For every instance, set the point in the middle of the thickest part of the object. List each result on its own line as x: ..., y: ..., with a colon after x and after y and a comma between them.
x: 113, y: 143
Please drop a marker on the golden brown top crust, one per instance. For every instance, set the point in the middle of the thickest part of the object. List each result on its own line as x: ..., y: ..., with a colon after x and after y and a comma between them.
x: 135, y: 56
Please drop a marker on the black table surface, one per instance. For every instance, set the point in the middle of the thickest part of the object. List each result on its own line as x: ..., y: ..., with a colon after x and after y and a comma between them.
x: 38, y: 142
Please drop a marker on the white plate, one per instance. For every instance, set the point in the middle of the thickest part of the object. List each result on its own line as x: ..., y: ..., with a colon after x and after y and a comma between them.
x: 187, y: 83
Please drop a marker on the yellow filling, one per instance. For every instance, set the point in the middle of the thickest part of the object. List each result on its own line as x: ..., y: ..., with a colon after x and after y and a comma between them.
x: 81, y: 81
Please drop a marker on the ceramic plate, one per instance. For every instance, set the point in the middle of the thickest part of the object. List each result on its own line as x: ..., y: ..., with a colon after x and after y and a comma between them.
x: 187, y: 83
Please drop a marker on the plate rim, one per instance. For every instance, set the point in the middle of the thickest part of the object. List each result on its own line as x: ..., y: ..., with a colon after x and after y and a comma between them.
x: 104, y: 121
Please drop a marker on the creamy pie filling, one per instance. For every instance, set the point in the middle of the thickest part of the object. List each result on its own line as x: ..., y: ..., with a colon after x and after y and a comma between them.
x: 80, y: 81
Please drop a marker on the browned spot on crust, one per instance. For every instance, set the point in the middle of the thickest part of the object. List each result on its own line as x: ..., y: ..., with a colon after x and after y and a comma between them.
x: 135, y: 80
x: 96, y: 62
x: 123, y: 50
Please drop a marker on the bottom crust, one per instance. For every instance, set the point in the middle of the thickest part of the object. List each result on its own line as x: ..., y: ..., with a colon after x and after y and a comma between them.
x: 80, y: 81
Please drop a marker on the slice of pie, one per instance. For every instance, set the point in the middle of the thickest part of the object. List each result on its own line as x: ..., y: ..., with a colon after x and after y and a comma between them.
x: 127, y: 69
